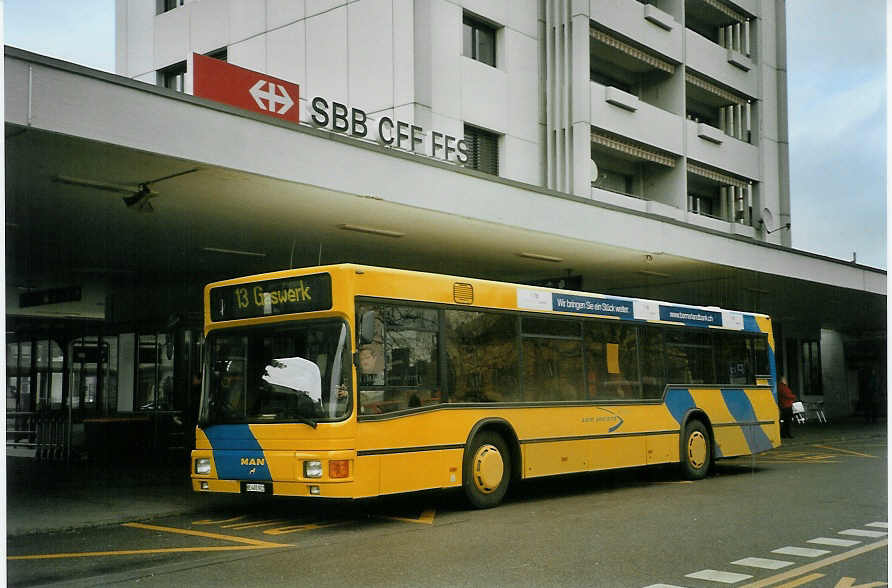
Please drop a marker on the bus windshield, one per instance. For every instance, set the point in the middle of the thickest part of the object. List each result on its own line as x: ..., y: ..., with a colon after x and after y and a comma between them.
x: 294, y: 373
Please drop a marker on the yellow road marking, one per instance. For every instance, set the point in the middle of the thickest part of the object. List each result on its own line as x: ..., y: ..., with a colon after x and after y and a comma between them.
x: 426, y: 518
x: 303, y: 527
x: 801, y: 581
x: 256, y: 542
x: 847, y: 582
x: 247, y: 544
x: 253, y: 525
x: 849, y: 451
x: 147, y: 551
x: 210, y: 522
x: 790, y: 574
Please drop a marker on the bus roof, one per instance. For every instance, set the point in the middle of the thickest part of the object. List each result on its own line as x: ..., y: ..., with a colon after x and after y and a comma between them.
x: 414, y: 285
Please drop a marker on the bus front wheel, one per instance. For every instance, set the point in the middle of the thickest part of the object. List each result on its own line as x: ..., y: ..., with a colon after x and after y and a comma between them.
x: 486, y: 470
x: 696, y: 451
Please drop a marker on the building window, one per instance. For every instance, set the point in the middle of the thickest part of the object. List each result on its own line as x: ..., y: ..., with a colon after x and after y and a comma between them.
x: 173, y: 77
x: 811, y: 369
x: 165, y: 5
x: 479, y: 41
x: 483, y: 150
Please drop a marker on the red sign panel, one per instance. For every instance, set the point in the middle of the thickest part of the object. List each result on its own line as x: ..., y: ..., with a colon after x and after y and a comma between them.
x: 223, y: 82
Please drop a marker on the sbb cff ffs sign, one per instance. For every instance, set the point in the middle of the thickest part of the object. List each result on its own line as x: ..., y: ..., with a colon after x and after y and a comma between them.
x: 223, y: 82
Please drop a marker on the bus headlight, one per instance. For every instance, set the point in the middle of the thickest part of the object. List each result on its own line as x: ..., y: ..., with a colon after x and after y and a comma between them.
x: 203, y: 466
x: 312, y: 469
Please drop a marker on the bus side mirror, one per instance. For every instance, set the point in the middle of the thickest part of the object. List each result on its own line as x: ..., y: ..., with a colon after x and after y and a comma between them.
x: 367, y: 327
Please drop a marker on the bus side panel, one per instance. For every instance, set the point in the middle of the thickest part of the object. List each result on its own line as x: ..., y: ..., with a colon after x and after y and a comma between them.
x: 662, y: 448
x: 619, y: 453
x: 420, y: 470
x: 556, y: 457
x: 744, y: 421
x: 766, y: 409
x: 729, y: 437
x: 368, y: 476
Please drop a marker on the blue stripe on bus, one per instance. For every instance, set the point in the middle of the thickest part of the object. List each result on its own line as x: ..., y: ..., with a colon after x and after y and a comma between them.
x: 741, y: 409
x: 750, y: 324
x: 237, y: 453
x: 679, y: 401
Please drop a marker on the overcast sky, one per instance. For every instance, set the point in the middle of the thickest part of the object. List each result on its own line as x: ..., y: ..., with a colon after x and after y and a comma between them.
x: 837, y: 117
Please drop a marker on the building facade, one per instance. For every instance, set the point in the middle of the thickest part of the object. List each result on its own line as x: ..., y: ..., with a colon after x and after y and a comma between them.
x: 616, y: 146
x: 671, y: 107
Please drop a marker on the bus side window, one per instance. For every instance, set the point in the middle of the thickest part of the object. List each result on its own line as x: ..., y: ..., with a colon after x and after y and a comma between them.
x: 552, y: 359
x: 398, y: 359
x: 611, y: 359
x: 481, y: 353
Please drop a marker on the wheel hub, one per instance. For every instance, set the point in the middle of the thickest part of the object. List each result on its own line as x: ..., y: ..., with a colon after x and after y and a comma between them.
x: 488, y: 468
x: 697, y: 448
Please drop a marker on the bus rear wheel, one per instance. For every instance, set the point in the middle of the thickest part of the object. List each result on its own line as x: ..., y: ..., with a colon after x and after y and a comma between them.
x: 486, y: 470
x: 696, y: 451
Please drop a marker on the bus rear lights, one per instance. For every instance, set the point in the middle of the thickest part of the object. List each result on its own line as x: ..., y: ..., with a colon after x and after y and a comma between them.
x: 312, y: 469
x: 314, y: 490
x: 203, y: 466
x: 338, y: 468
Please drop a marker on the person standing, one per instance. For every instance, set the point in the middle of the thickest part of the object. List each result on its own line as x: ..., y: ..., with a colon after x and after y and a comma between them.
x: 786, y: 398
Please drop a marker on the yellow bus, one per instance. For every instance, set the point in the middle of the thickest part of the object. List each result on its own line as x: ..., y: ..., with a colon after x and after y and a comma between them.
x: 349, y: 381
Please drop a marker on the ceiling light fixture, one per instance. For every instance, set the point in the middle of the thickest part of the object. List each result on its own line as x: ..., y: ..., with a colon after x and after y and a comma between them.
x: 233, y: 251
x: 541, y: 257
x: 372, y: 231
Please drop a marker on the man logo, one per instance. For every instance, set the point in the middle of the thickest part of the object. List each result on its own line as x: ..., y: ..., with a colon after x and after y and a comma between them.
x: 253, y: 461
x: 252, y: 470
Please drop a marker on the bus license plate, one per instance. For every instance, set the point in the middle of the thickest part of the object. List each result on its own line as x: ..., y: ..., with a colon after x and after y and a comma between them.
x: 251, y: 487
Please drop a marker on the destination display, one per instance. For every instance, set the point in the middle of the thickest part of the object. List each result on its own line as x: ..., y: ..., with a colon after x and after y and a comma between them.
x: 271, y: 297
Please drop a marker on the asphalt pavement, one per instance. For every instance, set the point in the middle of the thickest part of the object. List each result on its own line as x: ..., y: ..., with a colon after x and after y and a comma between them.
x: 48, y: 496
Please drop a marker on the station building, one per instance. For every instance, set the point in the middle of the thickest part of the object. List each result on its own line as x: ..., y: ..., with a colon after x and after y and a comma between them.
x: 629, y: 147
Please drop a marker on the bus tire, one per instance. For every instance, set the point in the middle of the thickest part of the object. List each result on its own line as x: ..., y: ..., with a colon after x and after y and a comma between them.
x: 486, y: 470
x: 696, y: 451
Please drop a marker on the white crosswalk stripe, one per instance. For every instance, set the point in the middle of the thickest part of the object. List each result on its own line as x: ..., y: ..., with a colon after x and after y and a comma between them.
x: 834, y: 542
x: 762, y: 563
x: 719, y: 576
x: 863, y: 533
x: 800, y: 551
